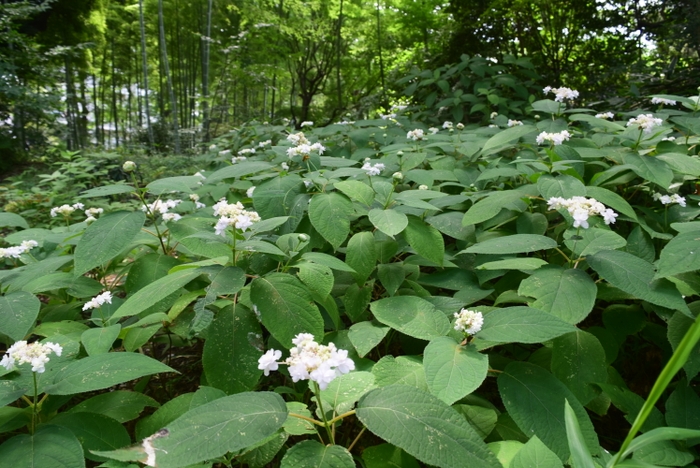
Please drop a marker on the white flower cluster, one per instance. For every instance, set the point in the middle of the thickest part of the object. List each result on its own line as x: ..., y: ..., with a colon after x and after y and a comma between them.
x: 493, y: 115
x: 17, y: 250
x: 514, y: 123
x: 373, y: 170
x: 459, y: 126
x: 197, y: 204
x: 265, y: 143
x: 393, y: 112
x: 581, y: 208
x: 306, y: 123
x: 160, y: 206
x: 447, y: 125
x: 225, y: 153
x: 416, y: 134
x: 646, y: 122
x: 36, y: 354
x: 246, y: 151
x: 561, y: 94
x: 658, y: 100
x: 236, y: 159
x: 309, y: 360
x: 92, y: 214
x: 668, y: 199
x: 171, y: 217
x: 66, y: 210
x: 98, y: 301
x: 233, y: 214
x: 605, y: 115
x: 303, y: 146
x: 555, y: 138
x: 469, y: 321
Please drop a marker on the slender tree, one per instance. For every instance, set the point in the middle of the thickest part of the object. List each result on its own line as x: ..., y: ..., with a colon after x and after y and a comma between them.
x: 144, y: 67
x: 168, y: 77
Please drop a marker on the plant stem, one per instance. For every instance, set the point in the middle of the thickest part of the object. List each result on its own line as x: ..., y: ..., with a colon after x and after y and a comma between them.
x: 319, y: 401
x: 34, y: 405
x: 311, y: 420
x: 342, y: 416
x: 357, y: 438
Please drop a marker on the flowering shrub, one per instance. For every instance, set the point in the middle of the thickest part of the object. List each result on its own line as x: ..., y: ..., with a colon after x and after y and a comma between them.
x: 461, y: 296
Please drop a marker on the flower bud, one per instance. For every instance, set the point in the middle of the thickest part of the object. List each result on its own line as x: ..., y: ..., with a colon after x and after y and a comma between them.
x: 129, y: 166
x: 397, y: 176
x: 303, y: 237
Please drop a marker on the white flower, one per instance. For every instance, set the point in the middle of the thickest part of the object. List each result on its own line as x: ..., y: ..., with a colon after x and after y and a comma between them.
x: 297, y: 138
x: 284, y: 166
x: 265, y: 143
x: 199, y: 174
x: 246, y: 151
x: 422, y: 187
x: 225, y: 153
x: 514, y: 123
x: 433, y: 130
x: 671, y: 138
x: 561, y: 94
x: 460, y: 126
x: 372, y: 170
x: 581, y: 208
x: 658, y: 100
x: 64, y: 210
x: 249, y: 192
x: 416, y: 134
x: 306, y: 123
x: 468, y: 321
x: 171, y: 217
x: 98, y: 301
x: 493, y: 126
x: 28, y: 245
x: 160, y: 206
x: 36, y: 354
x: 236, y: 159
x: 605, y: 115
x: 308, y: 183
x: 268, y: 361
x: 94, y: 212
x: 233, y: 214
x: 646, y: 122
x: 493, y: 115
x: 555, y: 138
x: 447, y: 125
x: 668, y: 199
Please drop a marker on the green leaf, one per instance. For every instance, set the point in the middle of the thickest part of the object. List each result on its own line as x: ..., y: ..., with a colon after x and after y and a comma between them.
x: 173, y: 184
x: 240, y: 169
x: 453, y: 371
x: 524, y: 263
x: 155, y: 292
x: 286, y: 307
x: 565, y: 293
x: 106, y: 190
x: 482, y: 419
x: 79, y: 286
x: 387, y: 456
x: 564, y: 186
x: 318, y: 278
x: 656, y: 435
x: 147, y: 269
x: 229, y: 358
x: 10, y: 391
x: 94, y: 431
x: 18, y: 311
x: 580, y: 454
x: 680, y: 255
x: 578, y: 359
x: 197, y: 236
x: 592, y: 241
x: 390, y: 222
x: 425, y: 240
x: 366, y: 335
x: 502, y: 138
x: 683, y: 407
x: 105, y: 238
x: 611, y: 199
x: 412, y: 316
x: 356, y: 190
x: 121, y: 405
x: 313, y: 454
x: 12, y: 220
x: 103, y: 371
x: 50, y: 446
x: 535, y: 399
x: 327, y: 260
x: 514, y: 244
x: 264, y: 452
x: 505, y: 450
x: 535, y: 455
x: 330, y: 215
x: 650, y: 168
x: 295, y: 425
x: 342, y: 393
x: 636, y: 276
x: 423, y: 426
x: 402, y: 370
x: 361, y: 255
x: 100, y: 340
x: 392, y: 276
x: 278, y: 197
x: 224, y: 281
x: 223, y: 425
x: 488, y: 207
x: 522, y: 324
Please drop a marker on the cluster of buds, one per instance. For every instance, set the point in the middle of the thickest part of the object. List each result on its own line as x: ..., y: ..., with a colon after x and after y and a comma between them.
x: 658, y: 100
x: 448, y: 125
x: 668, y: 199
x: 373, y: 169
x: 561, y: 94
x: 303, y: 146
x: 92, y: 214
x: 554, y: 138
x: 514, y: 123
x: 98, y: 301
x: 66, y: 210
x: 17, y: 250
x: 36, y: 354
x: 197, y: 204
x: 581, y: 208
x: 233, y: 214
x: 415, y: 135
x: 163, y: 207
x: 645, y: 122
x: 468, y: 321
x: 605, y: 115
x: 309, y: 360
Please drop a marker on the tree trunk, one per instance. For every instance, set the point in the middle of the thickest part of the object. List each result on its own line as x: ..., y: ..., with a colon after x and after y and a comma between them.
x: 205, y: 75
x: 144, y: 67
x: 168, y: 78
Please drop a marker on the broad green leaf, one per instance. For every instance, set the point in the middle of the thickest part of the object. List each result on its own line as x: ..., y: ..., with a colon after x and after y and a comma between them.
x: 10, y: 391
x: 450, y: 224
x: 387, y: 456
x: 173, y: 184
x: 286, y: 307
x: 327, y: 260
x: 361, y: 255
x: 630, y: 404
x: 524, y: 263
x: 313, y: 454
x: 564, y: 186
x: 356, y: 190
x: 482, y: 419
x: 402, y: 370
x: 240, y: 169
x: 223, y: 425
x: 138, y: 336
x: 663, y: 453
x: 155, y: 292
x: 330, y: 215
x: 50, y: 446
x: 425, y: 240
x: 76, y: 286
x: 423, y: 426
x: 657, y: 435
x: 366, y: 335
x: 592, y: 241
x: 578, y: 360
x: 264, y: 452
x: 453, y: 371
x: 568, y: 294
x: 224, y: 281
x: 390, y: 222
x: 356, y: 300
x: 683, y: 407
x: 535, y: 455
x: 121, y: 405
x: 18, y: 311
x: 297, y: 426
x: 103, y: 371
x: 100, y: 340
x: 522, y: 324
x: 318, y: 278
x: 611, y: 199
x: 105, y: 238
x: 197, y: 236
x: 229, y: 358
x: 147, y: 269
x: 681, y: 163
x: 17, y: 278
x: 650, y: 168
x: 514, y: 244
x: 94, y: 431
x: 106, y: 190
x: 488, y: 207
x: 412, y: 316
x: 12, y: 220
x: 580, y: 454
x: 505, y: 450
x: 636, y: 276
x: 678, y: 327
x: 278, y: 197
x: 392, y: 276
x: 535, y: 399
x: 680, y: 255
x: 496, y: 142
x: 342, y: 393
